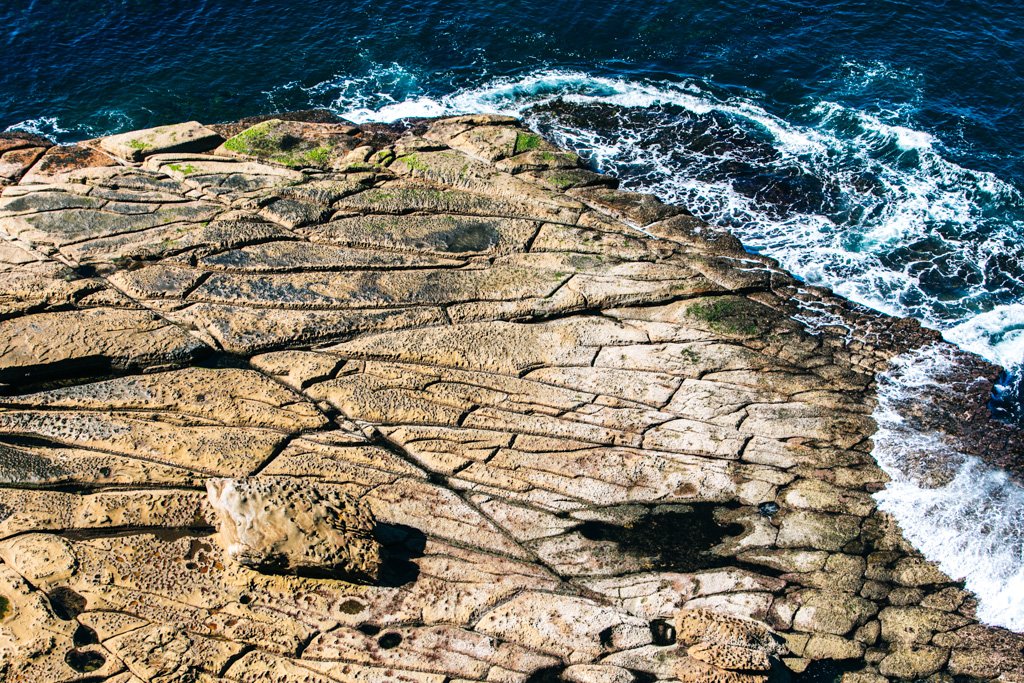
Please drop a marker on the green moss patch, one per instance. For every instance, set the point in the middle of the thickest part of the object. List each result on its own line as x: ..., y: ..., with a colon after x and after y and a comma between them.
x: 732, y: 316
x: 268, y: 141
x: 527, y: 141
x: 413, y: 162
x: 186, y: 169
x: 139, y: 144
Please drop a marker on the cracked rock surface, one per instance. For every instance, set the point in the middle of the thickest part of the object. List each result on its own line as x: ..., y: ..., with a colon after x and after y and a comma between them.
x: 299, y: 401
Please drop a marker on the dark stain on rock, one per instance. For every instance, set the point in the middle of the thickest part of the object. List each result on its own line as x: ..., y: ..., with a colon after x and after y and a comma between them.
x: 84, y: 661
x: 662, y: 632
x: 25, y: 378
x: 470, y: 236
x: 389, y: 641
x: 549, y: 674
x: 351, y: 607
x: 669, y: 537
x: 400, y: 544
x: 643, y: 676
x: 821, y: 671
x: 66, y: 603
x: 23, y: 465
x: 84, y: 636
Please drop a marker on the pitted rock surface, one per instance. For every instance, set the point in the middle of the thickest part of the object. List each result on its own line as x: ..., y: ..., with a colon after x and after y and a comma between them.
x: 280, y: 525
x: 571, y: 410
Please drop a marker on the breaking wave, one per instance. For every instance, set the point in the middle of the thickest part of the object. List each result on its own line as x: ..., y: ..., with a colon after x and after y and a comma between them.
x: 955, y: 509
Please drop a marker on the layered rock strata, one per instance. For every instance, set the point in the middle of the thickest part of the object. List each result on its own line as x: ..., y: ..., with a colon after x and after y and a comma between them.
x: 524, y: 420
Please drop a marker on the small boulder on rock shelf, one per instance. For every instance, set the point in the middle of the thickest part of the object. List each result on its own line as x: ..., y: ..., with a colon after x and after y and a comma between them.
x: 190, y: 136
x: 287, y: 526
x: 723, y: 647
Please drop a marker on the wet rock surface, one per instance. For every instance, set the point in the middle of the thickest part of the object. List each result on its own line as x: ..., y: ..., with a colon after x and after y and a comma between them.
x: 294, y: 400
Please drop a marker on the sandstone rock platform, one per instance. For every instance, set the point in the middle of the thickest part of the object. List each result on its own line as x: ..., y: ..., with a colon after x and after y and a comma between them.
x: 486, y: 416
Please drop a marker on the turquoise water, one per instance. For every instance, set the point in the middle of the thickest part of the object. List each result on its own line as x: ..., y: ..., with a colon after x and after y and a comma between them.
x: 873, y: 147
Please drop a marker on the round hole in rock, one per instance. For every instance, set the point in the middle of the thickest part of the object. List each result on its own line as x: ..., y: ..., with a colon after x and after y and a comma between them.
x: 351, y: 607
x: 83, y: 661
x: 84, y: 636
x: 245, y: 599
x: 66, y: 603
x: 369, y: 629
x: 389, y: 640
x: 662, y: 632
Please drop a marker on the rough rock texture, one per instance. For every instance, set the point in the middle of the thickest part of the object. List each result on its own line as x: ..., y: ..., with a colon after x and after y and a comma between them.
x: 280, y: 525
x: 572, y: 411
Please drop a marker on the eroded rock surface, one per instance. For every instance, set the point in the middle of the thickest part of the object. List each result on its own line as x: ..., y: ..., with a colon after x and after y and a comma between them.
x: 568, y: 413
x: 280, y: 525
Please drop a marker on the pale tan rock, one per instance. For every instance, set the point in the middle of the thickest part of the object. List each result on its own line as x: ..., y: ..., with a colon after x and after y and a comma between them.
x: 913, y: 661
x: 914, y: 571
x: 731, y: 657
x: 594, y: 673
x: 831, y: 612
x: 917, y: 624
x: 828, y: 646
x: 706, y: 626
x: 285, y: 526
x: 46, y: 343
x: 690, y: 670
x: 183, y: 137
x: 565, y: 626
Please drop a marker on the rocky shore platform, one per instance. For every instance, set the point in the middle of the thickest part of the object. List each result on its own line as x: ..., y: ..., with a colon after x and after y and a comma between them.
x: 291, y: 400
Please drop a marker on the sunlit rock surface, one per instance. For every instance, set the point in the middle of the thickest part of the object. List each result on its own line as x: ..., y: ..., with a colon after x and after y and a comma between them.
x: 291, y: 401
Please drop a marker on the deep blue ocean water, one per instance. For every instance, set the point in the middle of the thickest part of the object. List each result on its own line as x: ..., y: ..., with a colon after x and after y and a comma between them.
x: 873, y: 147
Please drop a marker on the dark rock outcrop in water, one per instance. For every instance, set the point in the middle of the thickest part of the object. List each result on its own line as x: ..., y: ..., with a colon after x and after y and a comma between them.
x: 537, y: 385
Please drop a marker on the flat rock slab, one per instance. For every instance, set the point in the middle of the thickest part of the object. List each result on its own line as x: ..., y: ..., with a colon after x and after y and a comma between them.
x: 433, y: 403
x: 191, y: 136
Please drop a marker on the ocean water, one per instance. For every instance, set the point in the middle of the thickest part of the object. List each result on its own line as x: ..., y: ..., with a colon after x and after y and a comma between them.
x: 872, y: 147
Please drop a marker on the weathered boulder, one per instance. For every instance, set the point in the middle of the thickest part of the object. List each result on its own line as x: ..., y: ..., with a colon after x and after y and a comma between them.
x: 724, y: 647
x: 287, y: 526
x: 191, y: 136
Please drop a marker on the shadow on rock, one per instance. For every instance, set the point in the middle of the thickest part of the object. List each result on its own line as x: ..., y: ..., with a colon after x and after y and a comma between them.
x: 400, y: 544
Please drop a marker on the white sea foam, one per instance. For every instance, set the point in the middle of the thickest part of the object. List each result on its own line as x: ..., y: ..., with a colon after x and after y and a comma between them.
x: 47, y: 126
x: 973, y: 524
x: 997, y: 335
x: 107, y: 122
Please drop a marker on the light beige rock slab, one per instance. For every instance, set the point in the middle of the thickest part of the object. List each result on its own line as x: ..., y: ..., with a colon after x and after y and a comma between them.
x: 191, y: 136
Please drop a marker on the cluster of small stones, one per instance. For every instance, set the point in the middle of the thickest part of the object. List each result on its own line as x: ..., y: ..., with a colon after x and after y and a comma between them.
x: 565, y: 413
